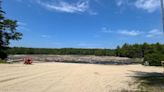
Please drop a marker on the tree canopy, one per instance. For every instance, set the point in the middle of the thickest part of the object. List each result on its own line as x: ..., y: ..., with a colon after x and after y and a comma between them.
x: 7, y: 32
x: 139, y: 50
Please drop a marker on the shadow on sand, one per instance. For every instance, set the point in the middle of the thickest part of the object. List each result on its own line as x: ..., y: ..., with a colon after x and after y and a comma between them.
x: 149, y: 81
x: 102, y: 62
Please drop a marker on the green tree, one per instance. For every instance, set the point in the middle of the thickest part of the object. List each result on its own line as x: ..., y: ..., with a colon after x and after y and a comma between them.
x: 7, y: 32
x: 118, y: 51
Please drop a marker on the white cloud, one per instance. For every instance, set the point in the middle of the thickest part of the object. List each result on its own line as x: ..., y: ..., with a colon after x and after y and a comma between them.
x: 122, y: 2
x: 61, y: 6
x: 45, y: 36
x: 122, y: 32
x: 119, y: 2
x: 148, y: 5
x: 21, y: 23
x: 105, y: 30
x: 92, y: 13
x: 129, y: 33
x: 22, y: 26
x: 149, y: 34
x: 154, y: 33
x: 88, y: 45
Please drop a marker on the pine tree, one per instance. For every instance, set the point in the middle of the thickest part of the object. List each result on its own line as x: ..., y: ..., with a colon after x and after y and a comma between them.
x: 7, y: 32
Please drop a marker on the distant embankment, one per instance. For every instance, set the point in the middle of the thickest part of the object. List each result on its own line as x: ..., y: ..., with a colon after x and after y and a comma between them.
x: 79, y: 59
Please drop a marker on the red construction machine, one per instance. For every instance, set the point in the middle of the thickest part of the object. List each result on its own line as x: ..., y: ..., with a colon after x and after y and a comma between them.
x: 28, y: 60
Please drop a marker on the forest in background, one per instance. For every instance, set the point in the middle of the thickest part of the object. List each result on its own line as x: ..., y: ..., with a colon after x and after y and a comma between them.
x: 154, y: 53
x: 61, y: 51
x: 139, y: 50
x: 127, y: 50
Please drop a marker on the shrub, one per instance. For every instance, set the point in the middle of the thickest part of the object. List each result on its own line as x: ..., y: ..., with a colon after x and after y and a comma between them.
x: 2, y: 61
x: 154, y: 59
x: 3, y: 53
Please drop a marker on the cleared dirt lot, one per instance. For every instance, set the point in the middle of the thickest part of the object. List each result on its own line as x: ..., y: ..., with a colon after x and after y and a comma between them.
x: 78, y: 59
x: 68, y: 77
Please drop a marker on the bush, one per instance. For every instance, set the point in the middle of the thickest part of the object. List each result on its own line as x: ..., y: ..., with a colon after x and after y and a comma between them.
x: 3, y: 53
x: 2, y: 61
x: 154, y: 59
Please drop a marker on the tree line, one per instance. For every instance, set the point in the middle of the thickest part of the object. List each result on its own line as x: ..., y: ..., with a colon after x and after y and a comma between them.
x: 152, y: 54
x: 126, y: 50
x: 62, y: 51
x: 139, y: 50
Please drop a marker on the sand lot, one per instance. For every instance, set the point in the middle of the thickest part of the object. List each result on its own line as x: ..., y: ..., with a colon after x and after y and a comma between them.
x: 68, y: 77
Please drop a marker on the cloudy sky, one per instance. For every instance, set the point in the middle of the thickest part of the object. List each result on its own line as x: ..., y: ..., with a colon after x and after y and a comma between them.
x: 85, y: 23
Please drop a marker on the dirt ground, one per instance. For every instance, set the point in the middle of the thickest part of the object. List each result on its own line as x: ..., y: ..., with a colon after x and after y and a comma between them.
x: 68, y: 77
x: 73, y: 58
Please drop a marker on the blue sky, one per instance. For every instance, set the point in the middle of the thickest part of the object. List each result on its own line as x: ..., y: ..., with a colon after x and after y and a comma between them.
x: 85, y: 23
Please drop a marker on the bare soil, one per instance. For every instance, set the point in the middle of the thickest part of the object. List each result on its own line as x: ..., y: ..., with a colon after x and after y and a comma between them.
x: 68, y: 77
x: 78, y: 59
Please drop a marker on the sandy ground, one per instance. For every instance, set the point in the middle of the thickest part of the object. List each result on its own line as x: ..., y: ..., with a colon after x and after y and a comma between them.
x: 64, y: 77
